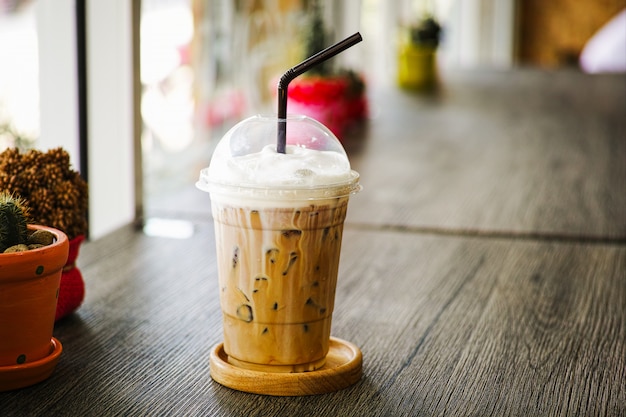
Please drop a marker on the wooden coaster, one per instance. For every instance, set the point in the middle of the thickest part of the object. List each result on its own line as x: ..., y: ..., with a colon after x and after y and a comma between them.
x: 343, y: 368
x: 20, y: 376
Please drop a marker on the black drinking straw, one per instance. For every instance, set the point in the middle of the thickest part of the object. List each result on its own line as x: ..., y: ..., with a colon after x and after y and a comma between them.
x: 293, y: 72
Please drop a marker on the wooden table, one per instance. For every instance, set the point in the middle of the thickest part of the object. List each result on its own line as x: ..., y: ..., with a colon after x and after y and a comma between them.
x: 483, y: 271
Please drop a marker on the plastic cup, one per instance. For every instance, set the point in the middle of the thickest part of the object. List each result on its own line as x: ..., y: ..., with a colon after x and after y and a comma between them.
x: 278, y: 228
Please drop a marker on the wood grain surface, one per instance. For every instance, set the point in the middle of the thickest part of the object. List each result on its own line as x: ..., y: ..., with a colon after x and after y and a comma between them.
x: 447, y: 326
x: 527, y: 152
x: 483, y: 272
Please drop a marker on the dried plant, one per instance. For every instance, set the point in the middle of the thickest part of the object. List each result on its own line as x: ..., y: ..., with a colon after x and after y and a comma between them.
x: 56, y: 195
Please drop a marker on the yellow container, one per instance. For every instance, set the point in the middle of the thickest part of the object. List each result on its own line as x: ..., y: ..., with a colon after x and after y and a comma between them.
x: 417, y: 65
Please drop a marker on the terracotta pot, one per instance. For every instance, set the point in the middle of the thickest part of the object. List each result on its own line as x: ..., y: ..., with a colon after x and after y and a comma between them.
x: 29, y: 288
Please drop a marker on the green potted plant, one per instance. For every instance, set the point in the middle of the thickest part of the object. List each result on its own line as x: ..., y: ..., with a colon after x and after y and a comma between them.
x: 31, y: 263
x: 334, y: 96
x: 57, y: 196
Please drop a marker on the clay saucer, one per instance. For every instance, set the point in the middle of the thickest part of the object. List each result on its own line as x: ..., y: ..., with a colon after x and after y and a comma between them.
x: 19, y: 376
x: 343, y: 368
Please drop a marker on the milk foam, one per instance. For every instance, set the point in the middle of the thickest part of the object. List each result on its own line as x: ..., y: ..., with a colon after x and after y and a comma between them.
x: 298, y: 167
x: 246, y: 166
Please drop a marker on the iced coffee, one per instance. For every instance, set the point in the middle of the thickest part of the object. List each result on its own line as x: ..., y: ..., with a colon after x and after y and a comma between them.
x: 278, y: 227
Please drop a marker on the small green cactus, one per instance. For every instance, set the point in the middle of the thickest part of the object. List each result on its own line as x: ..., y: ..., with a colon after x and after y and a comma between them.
x: 13, y: 221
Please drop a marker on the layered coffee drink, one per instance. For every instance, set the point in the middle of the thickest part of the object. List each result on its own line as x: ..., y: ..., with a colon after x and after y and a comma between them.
x: 278, y: 227
x: 277, y: 274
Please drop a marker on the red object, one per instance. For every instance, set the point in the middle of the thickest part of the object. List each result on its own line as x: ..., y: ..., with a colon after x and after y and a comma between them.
x: 331, y: 101
x: 72, y: 287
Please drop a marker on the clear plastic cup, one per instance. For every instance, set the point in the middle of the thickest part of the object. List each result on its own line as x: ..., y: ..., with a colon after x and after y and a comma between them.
x: 278, y: 227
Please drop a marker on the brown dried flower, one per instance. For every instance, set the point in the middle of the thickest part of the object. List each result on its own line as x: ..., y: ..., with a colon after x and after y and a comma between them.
x: 56, y: 195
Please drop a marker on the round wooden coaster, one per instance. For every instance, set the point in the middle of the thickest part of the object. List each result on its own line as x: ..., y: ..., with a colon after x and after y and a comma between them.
x: 343, y: 368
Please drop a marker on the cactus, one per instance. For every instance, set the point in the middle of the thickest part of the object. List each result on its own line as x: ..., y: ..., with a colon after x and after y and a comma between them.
x: 13, y: 221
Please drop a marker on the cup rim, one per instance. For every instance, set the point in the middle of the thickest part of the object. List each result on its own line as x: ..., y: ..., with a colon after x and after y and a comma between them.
x: 281, y: 192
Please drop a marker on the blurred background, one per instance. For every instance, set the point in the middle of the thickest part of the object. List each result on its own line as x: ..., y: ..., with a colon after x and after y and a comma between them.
x: 204, y: 65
